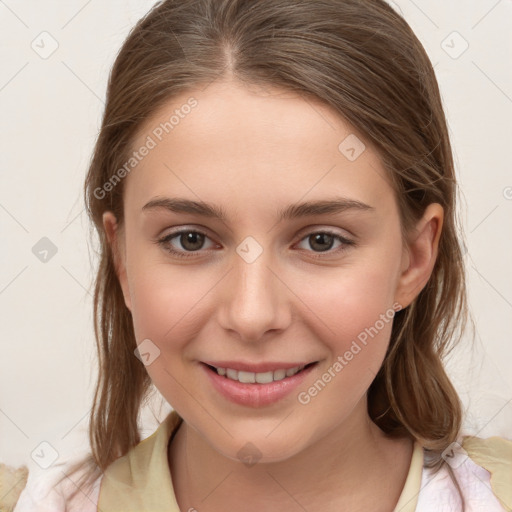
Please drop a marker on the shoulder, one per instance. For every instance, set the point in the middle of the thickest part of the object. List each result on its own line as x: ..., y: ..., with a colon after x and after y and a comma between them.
x: 494, y: 455
x: 483, y: 471
x: 44, y: 493
x: 12, y: 482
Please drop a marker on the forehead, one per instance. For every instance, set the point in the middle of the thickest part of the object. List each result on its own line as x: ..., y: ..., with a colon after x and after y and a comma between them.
x: 249, y: 147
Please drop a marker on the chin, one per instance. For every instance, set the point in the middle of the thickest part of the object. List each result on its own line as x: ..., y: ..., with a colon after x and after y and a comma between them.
x: 258, y: 448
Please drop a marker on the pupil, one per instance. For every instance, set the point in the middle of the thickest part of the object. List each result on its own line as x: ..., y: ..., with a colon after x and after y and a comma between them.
x: 320, y: 237
x: 192, y: 238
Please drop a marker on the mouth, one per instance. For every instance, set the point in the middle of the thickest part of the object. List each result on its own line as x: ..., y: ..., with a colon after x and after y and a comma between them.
x: 263, y: 377
x: 265, y: 387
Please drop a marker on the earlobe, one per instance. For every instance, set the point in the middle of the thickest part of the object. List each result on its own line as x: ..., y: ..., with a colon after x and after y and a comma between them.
x: 420, y: 255
x: 111, y: 228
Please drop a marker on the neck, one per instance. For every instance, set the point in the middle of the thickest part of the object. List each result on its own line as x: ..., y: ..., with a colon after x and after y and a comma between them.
x: 355, y: 465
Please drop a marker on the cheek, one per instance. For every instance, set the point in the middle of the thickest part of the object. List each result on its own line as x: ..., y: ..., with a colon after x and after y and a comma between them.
x: 353, y: 315
x: 170, y: 306
x: 165, y: 310
x: 348, y: 301
x: 165, y: 303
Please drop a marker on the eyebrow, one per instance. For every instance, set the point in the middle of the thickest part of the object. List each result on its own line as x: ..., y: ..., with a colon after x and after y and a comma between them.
x: 292, y: 211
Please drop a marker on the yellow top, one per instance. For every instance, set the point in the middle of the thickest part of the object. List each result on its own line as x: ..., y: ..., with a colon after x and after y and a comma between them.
x: 495, y: 455
x: 141, y: 480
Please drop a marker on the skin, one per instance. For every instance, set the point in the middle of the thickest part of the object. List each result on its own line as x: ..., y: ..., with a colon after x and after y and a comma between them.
x: 252, y: 151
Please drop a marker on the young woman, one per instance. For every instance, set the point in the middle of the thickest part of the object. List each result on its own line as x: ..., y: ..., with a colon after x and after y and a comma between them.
x: 274, y: 193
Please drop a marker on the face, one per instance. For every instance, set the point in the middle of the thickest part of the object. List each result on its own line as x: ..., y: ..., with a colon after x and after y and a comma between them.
x: 266, y: 284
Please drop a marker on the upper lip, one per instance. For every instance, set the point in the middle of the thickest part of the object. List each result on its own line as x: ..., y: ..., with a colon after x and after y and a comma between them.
x: 258, y: 367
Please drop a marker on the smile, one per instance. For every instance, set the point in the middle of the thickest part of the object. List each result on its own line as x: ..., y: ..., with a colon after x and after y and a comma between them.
x: 256, y: 388
x: 260, y: 377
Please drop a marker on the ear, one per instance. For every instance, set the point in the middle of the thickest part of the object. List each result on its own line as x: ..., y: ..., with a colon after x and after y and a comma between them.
x: 118, y: 250
x: 420, y: 255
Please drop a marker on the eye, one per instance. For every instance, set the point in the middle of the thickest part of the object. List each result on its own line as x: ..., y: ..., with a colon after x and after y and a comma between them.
x: 323, y: 241
x: 190, y: 241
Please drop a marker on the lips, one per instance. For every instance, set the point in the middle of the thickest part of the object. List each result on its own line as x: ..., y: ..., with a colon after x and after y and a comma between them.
x: 256, y: 394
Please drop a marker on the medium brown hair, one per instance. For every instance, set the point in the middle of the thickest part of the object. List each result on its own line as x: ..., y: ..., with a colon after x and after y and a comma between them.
x: 358, y: 57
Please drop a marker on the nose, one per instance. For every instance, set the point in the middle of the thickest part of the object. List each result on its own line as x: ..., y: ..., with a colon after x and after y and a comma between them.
x: 255, y: 300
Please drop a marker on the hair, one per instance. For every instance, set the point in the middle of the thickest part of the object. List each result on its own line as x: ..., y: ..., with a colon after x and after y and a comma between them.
x: 361, y: 59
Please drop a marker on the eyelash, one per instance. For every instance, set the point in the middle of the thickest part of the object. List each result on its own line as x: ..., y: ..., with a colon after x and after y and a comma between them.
x: 164, y: 242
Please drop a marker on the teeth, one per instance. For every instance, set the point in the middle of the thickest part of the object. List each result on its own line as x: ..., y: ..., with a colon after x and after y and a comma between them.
x: 231, y: 374
x: 279, y: 374
x: 247, y: 377
x: 260, y: 378
x: 264, y: 378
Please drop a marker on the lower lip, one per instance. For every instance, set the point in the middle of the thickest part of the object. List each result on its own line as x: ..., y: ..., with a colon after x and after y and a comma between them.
x: 255, y: 395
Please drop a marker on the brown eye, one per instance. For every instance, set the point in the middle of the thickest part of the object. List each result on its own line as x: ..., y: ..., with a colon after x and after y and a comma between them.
x: 191, y: 240
x: 183, y: 243
x: 321, y: 241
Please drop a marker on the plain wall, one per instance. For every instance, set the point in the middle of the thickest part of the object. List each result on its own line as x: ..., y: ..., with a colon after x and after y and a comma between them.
x: 50, y: 115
